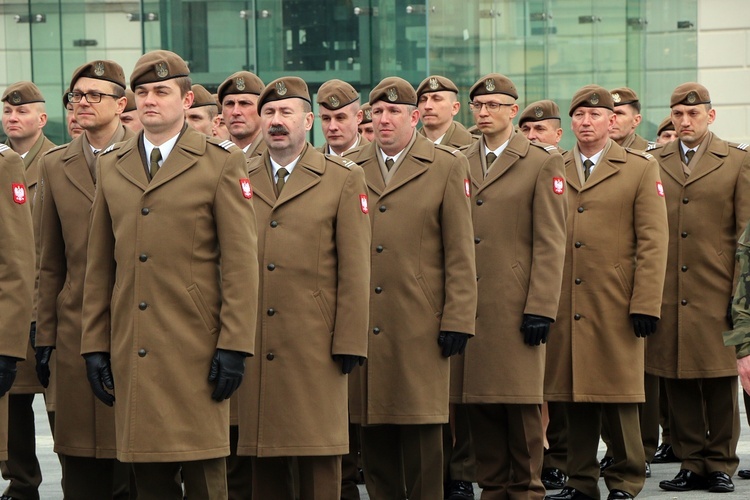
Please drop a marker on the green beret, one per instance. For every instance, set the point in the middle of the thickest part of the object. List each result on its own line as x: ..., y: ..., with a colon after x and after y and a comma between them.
x: 494, y: 83
x: 108, y: 71
x: 22, y: 93
x: 666, y: 124
x: 242, y: 82
x: 158, y: 66
x: 130, y: 106
x: 335, y: 94
x: 284, y: 88
x: 538, y: 111
x: 592, y: 96
x: 202, y: 97
x: 366, y: 113
x: 624, y: 95
x: 436, y: 83
x: 394, y: 90
x: 690, y: 94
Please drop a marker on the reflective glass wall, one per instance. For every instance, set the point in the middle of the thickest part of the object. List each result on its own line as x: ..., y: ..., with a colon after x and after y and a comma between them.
x: 549, y: 48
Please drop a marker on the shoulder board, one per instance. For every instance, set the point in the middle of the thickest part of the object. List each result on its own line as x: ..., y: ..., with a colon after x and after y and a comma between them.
x: 447, y: 149
x: 340, y: 161
x: 4, y: 148
x: 640, y: 153
x: 651, y: 146
x: 225, y: 144
x: 549, y: 148
x: 110, y: 148
x: 742, y: 146
x: 57, y: 148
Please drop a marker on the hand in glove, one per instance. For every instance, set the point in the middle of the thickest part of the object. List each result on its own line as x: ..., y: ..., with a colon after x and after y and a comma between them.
x: 7, y: 373
x: 535, y: 329
x: 348, y: 362
x: 643, y: 324
x: 452, y: 343
x: 227, y: 370
x: 99, y: 373
x: 43, y: 355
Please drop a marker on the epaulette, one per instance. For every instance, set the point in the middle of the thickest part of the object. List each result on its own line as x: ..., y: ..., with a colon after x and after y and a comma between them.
x: 741, y: 146
x: 640, y: 153
x: 652, y: 145
x: 226, y: 144
x: 447, y: 149
x: 110, y: 148
x: 340, y: 161
x: 549, y: 148
x: 4, y: 148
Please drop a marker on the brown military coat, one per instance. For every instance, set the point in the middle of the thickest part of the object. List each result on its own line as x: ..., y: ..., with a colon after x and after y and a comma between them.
x: 16, y: 269
x: 707, y: 213
x: 172, y: 275
x: 635, y: 141
x: 457, y: 136
x: 361, y: 141
x: 314, y: 254
x: 423, y: 281
x: 615, y: 261
x: 84, y: 426
x: 519, y: 213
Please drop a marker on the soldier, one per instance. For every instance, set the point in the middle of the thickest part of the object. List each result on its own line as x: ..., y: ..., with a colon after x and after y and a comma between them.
x: 129, y: 117
x: 203, y: 114
x: 238, y: 96
x: 540, y: 122
x: 707, y: 187
x: 423, y: 296
x: 365, y: 126
x: 614, y: 273
x: 314, y: 260
x: 171, y: 288
x: 340, y: 115
x: 628, y: 117
x: 437, y: 99
x: 666, y: 133
x: 24, y: 118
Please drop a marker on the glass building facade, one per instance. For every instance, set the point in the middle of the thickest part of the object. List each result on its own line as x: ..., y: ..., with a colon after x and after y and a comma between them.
x: 549, y: 48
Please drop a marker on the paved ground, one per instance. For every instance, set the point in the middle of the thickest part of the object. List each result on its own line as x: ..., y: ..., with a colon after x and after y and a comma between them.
x: 50, y: 489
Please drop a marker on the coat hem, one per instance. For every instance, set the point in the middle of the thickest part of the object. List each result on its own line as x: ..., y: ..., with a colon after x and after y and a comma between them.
x: 693, y: 374
x: 172, y: 456
x: 85, y: 452
x: 293, y: 451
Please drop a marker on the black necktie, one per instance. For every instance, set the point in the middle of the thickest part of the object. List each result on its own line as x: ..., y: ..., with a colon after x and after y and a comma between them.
x: 587, y: 166
x: 281, y: 173
x: 389, y: 164
x: 154, y: 165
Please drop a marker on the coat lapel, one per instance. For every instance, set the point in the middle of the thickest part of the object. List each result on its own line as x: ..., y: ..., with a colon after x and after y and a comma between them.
x: 475, y: 164
x: 366, y: 158
x: 609, y: 164
x: 77, y: 170
x: 713, y: 158
x: 516, y: 148
x: 129, y: 163
x: 189, y: 147
x: 261, y: 181
x: 571, y: 173
x: 414, y: 163
x: 305, y: 175
x: 671, y: 163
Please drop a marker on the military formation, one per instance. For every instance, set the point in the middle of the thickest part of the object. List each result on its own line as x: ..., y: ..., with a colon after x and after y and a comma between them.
x: 213, y: 308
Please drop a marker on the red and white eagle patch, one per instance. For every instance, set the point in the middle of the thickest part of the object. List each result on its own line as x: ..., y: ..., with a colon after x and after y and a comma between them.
x: 363, y: 204
x: 467, y: 188
x: 660, y: 189
x: 19, y: 193
x: 558, y: 185
x: 247, y: 189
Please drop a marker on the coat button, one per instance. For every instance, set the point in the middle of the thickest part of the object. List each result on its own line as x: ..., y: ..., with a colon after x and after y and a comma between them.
x: 479, y: 202
x: 577, y: 317
x: 684, y: 234
x: 142, y: 353
x: 143, y: 257
x: 379, y: 248
x: 580, y: 210
x: 683, y: 302
x: 382, y: 208
x: 684, y: 268
x: 270, y: 311
x: 578, y: 244
x: 271, y: 267
x: 145, y: 211
x: 477, y: 240
x: 142, y: 306
x: 578, y: 281
x: 376, y: 330
x: 685, y: 201
x: 274, y: 223
x: 270, y: 356
x: 378, y: 289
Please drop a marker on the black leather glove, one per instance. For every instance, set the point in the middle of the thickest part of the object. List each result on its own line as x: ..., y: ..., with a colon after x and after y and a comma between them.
x: 227, y: 370
x: 7, y: 373
x: 32, y: 334
x: 643, y: 324
x: 43, y: 355
x: 730, y: 320
x: 535, y: 329
x: 99, y: 373
x: 348, y: 362
x: 452, y: 343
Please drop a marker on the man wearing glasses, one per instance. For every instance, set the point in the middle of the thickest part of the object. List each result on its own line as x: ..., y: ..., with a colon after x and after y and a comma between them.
x: 84, y: 427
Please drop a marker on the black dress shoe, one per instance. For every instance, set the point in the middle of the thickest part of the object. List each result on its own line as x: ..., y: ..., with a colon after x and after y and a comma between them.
x: 460, y: 490
x: 568, y: 493
x: 744, y: 473
x: 553, y: 478
x: 605, y: 463
x: 685, y: 480
x: 665, y: 455
x: 720, y: 482
x: 648, y: 469
x: 618, y: 494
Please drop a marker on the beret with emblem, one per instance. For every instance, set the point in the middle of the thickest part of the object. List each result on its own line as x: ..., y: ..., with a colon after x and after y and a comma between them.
x: 366, y: 113
x: 538, y: 111
x: 130, y: 106
x: 284, y: 88
x: 335, y: 94
x: 666, y: 124
x: 158, y: 66
x: 108, y: 71
x: 494, y: 83
x: 394, y: 90
x: 242, y: 82
x: 22, y: 93
x: 202, y: 97
x: 592, y: 96
x: 690, y: 94
x: 624, y: 95
x: 436, y: 83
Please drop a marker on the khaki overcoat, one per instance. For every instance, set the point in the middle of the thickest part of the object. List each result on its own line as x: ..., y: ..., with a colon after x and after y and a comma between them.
x: 635, y: 141
x: 519, y: 213
x: 172, y: 275
x: 422, y: 281
x: 457, y: 136
x: 314, y: 254
x: 615, y: 261
x: 707, y: 213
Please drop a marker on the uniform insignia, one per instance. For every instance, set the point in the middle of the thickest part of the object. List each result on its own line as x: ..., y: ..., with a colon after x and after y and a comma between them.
x: 660, y: 189
x: 594, y: 99
x: 110, y: 148
x: 247, y: 189
x: 692, y: 97
x: 489, y: 84
x: 434, y: 84
x: 742, y: 146
x: 19, y: 193
x: 281, y: 88
x: 161, y: 69
x: 347, y: 163
x: 648, y: 156
x: 363, y: 204
x: 651, y: 146
x: 368, y: 114
x: 15, y: 97
x: 558, y: 185
x: 467, y: 188
x: 550, y: 148
x: 392, y: 94
x: 616, y: 97
x: 227, y: 144
x: 4, y: 147
x: 99, y: 68
x: 334, y: 101
x: 538, y: 112
x: 240, y: 83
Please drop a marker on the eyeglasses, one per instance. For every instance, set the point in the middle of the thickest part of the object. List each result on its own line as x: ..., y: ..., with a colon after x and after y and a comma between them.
x: 91, y: 97
x: 492, y: 106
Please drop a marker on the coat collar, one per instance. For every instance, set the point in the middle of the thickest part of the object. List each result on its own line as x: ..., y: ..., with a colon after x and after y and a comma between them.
x: 76, y: 168
x: 518, y: 147
x: 713, y: 157
x: 306, y: 174
x: 609, y: 164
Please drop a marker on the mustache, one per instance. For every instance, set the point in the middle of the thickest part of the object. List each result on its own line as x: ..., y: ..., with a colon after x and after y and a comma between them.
x: 278, y: 130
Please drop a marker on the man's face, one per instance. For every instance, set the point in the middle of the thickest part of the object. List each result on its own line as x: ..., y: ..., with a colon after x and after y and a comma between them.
x: 220, y: 129
x: 74, y: 130
x: 626, y: 121
x: 666, y: 137
x: 495, y: 122
x: 95, y: 116
x: 437, y: 109
x: 161, y: 105
x: 24, y: 121
x: 393, y: 125
x: 130, y: 120
x: 285, y: 124
x: 201, y: 120
x: 340, y: 125
x: 546, y: 131
x: 591, y: 125
x: 691, y: 122
x: 241, y: 115
x: 367, y: 131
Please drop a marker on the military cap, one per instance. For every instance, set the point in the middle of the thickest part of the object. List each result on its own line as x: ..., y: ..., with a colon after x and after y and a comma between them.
x: 366, y: 113
x: 242, y: 82
x: 538, y: 111
x: 22, y: 93
x: 335, y: 94
x: 202, y: 97
x: 158, y: 66
x: 624, y: 95
x: 394, y: 90
x: 494, y: 83
x: 284, y: 88
x: 690, y: 94
x: 108, y: 71
x: 592, y: 96
x: 130, y: 106
x: 666, y: 124
x: 436, y: 83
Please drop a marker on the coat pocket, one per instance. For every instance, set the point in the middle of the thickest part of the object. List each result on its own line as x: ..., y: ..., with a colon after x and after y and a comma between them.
x: 427, y: 292
x: 624, y: 281
x: 521, y: 277
x: 325, y: 309
x: 203, y: 310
